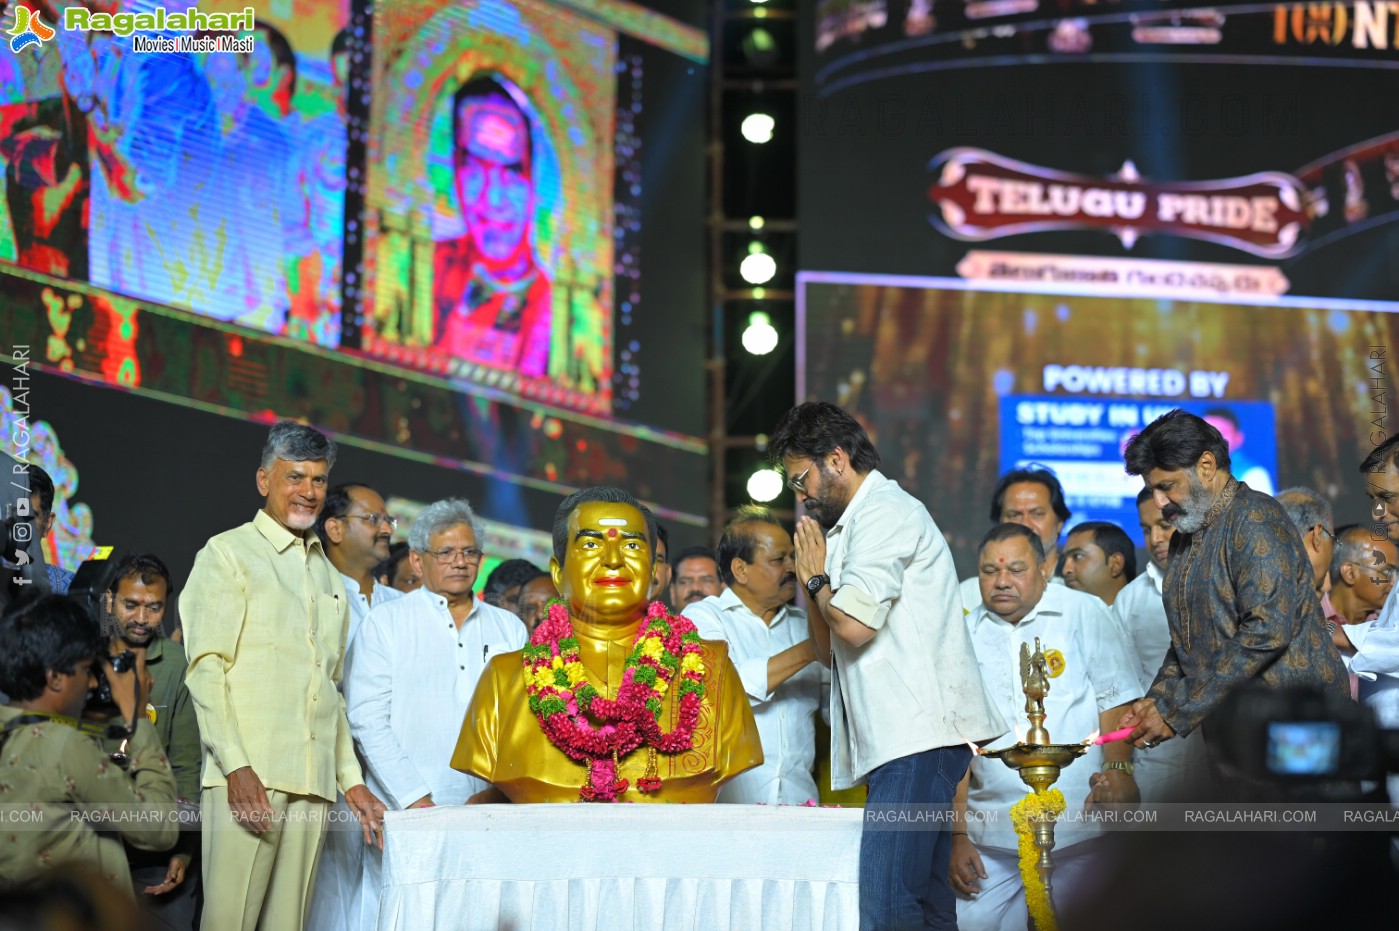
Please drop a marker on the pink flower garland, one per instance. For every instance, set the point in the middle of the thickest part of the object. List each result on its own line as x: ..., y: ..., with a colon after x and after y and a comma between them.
x: 563, y: 700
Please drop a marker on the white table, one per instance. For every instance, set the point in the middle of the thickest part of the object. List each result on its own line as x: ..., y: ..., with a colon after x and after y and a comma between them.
x: 641, y: 867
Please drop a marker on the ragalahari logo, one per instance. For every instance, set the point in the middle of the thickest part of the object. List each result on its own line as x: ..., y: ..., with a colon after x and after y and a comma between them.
x: 28, y: 30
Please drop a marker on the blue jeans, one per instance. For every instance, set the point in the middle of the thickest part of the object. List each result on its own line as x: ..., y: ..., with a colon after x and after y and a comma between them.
x: 903, y: 872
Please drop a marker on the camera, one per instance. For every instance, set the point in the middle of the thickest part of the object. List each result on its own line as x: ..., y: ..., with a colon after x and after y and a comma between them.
x: 89, y: 587
x: 100, y: 698
x: 1301, y: 741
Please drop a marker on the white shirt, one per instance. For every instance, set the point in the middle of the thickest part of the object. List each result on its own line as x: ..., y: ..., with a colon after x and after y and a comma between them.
x: 915, y: 685
x: 409, y: 678
x: 1142, y: 614
x: 1099, y: 672
x: 1376, y: 664
x: 786, y: 717
x: 359, y: 605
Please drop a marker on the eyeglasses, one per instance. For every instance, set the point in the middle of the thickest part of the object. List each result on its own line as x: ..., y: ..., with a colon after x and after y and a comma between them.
x: 798, y: 483
x: 450, y: 554
x: 1327, y: 532
x: 377, y: 519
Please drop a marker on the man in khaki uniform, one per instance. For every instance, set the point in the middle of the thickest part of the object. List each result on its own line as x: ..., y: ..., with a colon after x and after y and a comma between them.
x: 266, y: 621
x: 53, y: 771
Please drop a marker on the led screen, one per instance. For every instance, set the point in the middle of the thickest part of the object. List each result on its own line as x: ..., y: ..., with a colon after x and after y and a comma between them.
x: 211, y: 182
x: 1243, y: 147
x: 959, y: 384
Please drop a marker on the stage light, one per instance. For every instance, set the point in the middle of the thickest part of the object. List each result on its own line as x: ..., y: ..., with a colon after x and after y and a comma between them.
x: 755, y: 223
x: 757, y: 128
x: 757, y: 266
x: 760, y: 336
x: 760, y: 48
x: 764, y: 485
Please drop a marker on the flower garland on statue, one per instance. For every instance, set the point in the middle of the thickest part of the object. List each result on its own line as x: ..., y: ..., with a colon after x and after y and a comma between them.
x: 563, y: 700
x: 1036, y: 806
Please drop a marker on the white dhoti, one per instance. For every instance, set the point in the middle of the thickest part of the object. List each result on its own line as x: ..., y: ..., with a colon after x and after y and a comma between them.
x: 1000, y: 906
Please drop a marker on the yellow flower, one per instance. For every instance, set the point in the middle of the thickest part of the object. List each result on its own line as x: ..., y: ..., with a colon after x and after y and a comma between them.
x: 653, y: 648
x: 558, y: 662
x: 692, y: 663
x: 576, y: 674
x: 1036, y: 807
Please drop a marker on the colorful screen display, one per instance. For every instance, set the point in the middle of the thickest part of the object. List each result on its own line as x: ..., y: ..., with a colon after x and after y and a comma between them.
x: 504, y: 183
x: 418, y: 225
x: 1215, y: 151
x: 491, y: 195
x: 959, y: 384
x: 210, y: 182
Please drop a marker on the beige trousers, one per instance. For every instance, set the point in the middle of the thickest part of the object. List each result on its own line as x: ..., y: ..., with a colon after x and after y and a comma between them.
x: 260, y: 882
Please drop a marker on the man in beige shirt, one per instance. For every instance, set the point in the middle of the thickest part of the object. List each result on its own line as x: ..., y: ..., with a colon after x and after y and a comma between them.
x: 266, y: 621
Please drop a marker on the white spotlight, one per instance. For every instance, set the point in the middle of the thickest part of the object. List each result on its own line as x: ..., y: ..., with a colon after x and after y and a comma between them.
x: 757, y: 266
x: 764, y: 485
x: 760, y: 336
x: 757, y: 128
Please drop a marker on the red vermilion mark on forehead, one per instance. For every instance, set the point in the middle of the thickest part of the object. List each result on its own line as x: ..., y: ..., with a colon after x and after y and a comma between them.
x: 1001, y: 560
x: 612, y: 534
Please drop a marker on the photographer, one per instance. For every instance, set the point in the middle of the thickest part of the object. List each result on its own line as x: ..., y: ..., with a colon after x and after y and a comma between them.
x: 136, y: 600
x: 55, y: 778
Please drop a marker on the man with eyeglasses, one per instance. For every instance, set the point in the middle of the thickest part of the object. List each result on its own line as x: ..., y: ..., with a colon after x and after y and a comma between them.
x: 425, y: 650
x: 907, y: 698
x: 355, y: 528
x: 265, y: 626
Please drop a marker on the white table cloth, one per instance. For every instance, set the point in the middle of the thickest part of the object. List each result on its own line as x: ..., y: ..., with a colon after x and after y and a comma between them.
x: 621, y: 868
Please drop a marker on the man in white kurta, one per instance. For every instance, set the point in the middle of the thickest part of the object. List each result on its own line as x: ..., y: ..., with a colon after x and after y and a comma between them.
x: 414, y: 666
x: 1093, y: 676
x: 355, y: 528
x: 770, y: 645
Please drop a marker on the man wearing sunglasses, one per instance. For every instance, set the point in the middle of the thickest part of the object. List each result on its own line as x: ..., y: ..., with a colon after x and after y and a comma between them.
x: 355, y: 528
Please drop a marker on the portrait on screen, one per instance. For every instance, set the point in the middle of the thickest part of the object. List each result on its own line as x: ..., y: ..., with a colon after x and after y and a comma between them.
x: 211, y: 183
x: 491, y: 299
x: 489, y: 246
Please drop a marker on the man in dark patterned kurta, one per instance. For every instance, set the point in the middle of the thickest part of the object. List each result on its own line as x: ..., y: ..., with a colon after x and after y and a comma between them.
x: 1238, y: 591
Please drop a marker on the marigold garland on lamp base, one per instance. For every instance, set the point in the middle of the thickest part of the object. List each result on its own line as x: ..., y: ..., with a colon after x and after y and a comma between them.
x: 1039, y: 762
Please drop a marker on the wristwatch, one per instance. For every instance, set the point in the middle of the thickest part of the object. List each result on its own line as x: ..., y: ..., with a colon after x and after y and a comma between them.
x: 816, y: 583
x: 1118, y: 764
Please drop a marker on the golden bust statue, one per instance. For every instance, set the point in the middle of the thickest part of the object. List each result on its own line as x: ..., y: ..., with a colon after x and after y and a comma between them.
x: 603, y: 541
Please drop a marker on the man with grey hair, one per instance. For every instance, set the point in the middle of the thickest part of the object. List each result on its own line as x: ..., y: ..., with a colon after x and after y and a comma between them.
x: 424, y: 650
x: 265, y: 620
x: 1311, y: 512
x: 1362, y: 576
